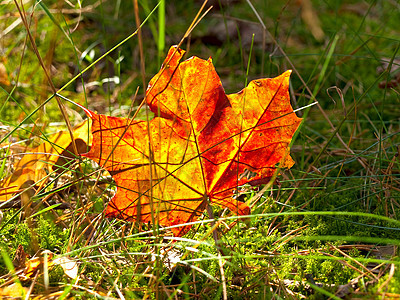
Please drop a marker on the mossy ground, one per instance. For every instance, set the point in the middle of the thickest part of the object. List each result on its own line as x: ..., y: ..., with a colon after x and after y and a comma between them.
x: 348, y: 165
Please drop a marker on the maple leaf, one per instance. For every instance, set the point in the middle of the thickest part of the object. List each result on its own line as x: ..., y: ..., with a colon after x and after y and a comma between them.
x: 38, y: 162
x: 33, y: 265
x: 198, y: 145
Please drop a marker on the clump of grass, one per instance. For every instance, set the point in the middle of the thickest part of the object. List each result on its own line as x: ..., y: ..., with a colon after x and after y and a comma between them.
x: 329, y: 224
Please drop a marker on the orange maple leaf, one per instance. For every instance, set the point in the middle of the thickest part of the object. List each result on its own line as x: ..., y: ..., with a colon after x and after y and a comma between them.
x: 198, y: 145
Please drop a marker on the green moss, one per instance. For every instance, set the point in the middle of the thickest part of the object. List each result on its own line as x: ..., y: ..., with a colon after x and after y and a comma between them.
x: 265, y: 251
x: 51, y: 236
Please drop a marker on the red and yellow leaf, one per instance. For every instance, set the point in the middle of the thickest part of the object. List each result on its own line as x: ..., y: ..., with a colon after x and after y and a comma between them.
x: 196, y: 147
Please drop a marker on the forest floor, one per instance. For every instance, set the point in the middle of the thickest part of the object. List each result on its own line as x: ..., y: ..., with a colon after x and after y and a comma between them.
x: 327, y: 229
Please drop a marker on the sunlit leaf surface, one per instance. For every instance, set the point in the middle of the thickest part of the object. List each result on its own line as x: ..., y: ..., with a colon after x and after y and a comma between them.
x: 198, y: 145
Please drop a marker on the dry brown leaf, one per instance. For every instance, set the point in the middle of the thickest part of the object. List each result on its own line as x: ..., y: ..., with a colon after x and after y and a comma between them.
x: 310, y: 18
x: 3, y: 75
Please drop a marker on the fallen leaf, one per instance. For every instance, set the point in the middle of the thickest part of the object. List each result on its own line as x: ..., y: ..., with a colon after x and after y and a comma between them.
x: 13, y: 291
x: 359, y: 9
x: 38, y: 162
x: 3, y: 75
x: 19, y: 260
x: 36, y: 264
x: 32, y: 266
x: 393, y: 80
x: 310, y: 18
x: 69, y: 266
x: 195, y: 149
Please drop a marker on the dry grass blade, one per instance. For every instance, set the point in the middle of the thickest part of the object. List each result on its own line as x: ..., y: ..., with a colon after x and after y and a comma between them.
x: 46, y: 72
x: 329, y: 226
